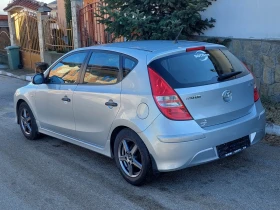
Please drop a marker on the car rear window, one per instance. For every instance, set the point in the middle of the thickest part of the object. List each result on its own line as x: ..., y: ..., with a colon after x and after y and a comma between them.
x: 197, y: 68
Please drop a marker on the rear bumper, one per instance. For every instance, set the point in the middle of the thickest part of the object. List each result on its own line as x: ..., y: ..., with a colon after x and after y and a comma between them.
x: 176, y: 145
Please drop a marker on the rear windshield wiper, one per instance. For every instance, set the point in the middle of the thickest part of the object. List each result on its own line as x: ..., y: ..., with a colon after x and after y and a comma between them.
x: 223, y: 77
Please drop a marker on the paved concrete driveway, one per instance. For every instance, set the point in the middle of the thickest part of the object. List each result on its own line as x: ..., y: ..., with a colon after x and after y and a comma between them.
x: 51, y: 174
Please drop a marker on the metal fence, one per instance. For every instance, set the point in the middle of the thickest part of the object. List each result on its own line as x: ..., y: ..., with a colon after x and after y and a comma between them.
x: 92, y: 32
x: 27, y: 38
x: 58, y: 35
x: 4, y: 42
x: 27, y: 32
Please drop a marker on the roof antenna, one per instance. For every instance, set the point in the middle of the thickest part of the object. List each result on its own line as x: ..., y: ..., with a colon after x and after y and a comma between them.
x: 176, y: 40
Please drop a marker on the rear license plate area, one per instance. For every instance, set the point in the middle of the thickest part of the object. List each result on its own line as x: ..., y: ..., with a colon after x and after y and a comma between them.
x: 233, y: 147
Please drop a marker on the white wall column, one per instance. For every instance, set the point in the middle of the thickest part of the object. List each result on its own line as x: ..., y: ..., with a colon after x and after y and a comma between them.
x: 40, y: 18
x: 76, y: 5
x: 12, y: 29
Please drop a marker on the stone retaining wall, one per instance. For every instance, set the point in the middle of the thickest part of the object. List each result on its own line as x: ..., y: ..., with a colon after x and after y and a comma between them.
x: 263, y: 58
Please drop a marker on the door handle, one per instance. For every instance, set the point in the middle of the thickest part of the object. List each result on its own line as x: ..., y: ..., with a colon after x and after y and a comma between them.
x: 65, y: 98
x: 111, y: 103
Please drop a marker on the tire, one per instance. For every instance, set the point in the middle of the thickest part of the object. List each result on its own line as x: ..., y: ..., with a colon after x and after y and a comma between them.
x: 27, y: 122
x: 132, y: 157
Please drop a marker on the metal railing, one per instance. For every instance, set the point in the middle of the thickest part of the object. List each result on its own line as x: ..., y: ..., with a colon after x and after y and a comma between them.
x: 58, y: 35
x: 4, y: 42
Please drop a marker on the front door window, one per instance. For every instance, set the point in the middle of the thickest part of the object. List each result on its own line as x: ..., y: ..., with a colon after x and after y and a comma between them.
x: 68, y: 69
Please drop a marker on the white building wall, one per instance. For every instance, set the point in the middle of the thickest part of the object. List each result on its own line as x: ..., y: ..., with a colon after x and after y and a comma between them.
x: 254, y: 19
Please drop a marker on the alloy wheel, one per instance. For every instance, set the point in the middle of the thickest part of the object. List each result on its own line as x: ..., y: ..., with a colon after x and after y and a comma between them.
x: 25, y: 121
x: 130, y: 158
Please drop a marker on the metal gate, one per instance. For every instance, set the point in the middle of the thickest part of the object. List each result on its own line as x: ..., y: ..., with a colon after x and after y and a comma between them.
x: 4, y: 42
x: 27, y: 37
x: 92, y: 32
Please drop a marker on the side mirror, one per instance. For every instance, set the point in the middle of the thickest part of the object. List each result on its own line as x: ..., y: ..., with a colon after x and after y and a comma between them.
x: 38, y: 79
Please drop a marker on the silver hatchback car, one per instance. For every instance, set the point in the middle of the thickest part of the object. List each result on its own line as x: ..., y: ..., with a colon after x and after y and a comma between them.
x: 153, y: 106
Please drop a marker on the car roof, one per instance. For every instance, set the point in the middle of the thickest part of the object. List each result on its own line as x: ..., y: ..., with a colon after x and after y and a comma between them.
x: 151, y: 49
x: 152, y: 45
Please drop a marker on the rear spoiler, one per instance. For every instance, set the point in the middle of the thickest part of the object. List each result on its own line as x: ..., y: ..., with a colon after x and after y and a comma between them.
x: 151, y: 56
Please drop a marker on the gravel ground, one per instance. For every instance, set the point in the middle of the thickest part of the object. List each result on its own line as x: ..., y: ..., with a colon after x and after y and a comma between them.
x: 272, y: 140
x: 272, y: 111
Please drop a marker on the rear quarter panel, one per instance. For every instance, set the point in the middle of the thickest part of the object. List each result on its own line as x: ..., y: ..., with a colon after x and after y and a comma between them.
x: 136, y: 90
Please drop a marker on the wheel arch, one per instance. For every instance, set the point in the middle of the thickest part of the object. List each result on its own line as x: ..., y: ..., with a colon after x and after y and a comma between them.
x: 113, y: 136
x: 19, y: 102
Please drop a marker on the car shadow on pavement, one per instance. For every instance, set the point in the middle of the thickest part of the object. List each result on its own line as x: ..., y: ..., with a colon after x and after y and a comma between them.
x: 206, y: 173
x: 215, y: 185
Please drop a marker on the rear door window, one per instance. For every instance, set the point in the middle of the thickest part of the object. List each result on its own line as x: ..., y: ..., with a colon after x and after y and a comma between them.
x: 196, y: 68
x: 103, y: 69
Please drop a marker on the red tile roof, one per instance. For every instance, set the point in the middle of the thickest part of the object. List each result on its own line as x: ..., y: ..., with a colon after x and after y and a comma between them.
x: 3, y: 17
x: 30, y: 4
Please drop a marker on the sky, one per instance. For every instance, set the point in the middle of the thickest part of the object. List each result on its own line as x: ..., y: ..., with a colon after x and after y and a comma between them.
x: 4, y: 3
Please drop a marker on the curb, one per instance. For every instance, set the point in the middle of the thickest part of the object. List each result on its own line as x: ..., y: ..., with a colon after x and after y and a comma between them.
x: 23, y: 77
x: 272, y: 129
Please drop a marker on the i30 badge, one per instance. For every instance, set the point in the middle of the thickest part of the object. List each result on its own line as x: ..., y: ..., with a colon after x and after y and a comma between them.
x: 227, y: 96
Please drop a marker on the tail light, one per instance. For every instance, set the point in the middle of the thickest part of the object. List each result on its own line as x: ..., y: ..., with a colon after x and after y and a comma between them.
x: 256, y: 92
x: 167, y: 100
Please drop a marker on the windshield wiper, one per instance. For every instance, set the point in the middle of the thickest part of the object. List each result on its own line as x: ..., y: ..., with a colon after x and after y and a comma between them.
x: 223, y: 77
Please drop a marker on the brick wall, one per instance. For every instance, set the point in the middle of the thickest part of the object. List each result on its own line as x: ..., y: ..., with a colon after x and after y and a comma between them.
x: 61, y: 11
